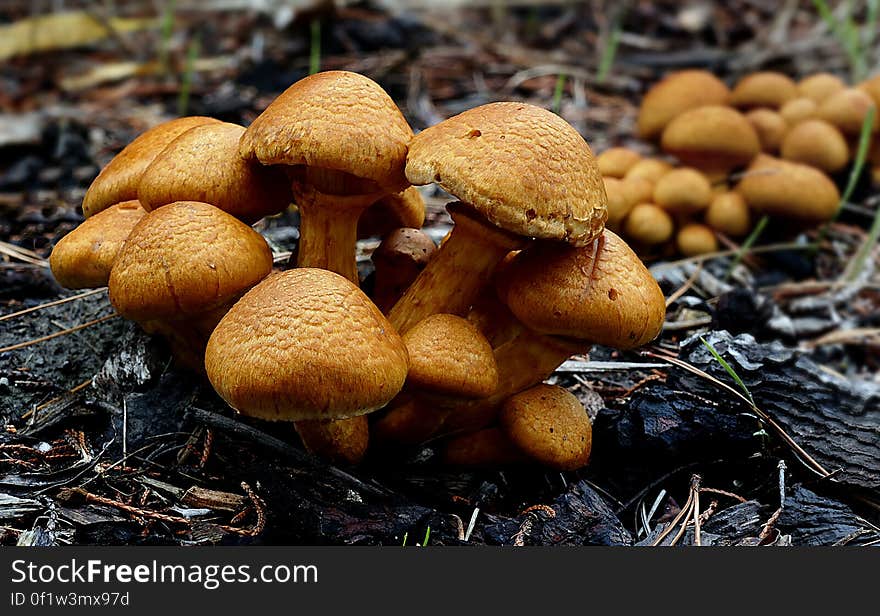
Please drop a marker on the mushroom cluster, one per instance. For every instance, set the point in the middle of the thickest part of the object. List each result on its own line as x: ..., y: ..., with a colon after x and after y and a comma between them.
x: 788, y: 141
x: 452, y: 341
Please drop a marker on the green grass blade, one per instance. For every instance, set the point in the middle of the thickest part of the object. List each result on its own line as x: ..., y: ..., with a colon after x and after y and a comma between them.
x: 168, y: 19
x: 427, y: 536
x: 557, y: 93
x: 405, y: 537
x: 192, y: 53
x: 855, y: 267
x: 729, y: 369
x: 315, y: 47
x: 609, y: 51
x: 747, y: 245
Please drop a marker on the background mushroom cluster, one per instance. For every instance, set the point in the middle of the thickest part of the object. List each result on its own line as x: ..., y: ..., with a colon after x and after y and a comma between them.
x: 768, y: 146
x: 453, y: 341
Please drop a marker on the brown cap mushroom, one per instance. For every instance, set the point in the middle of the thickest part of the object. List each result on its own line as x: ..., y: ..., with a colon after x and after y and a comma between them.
x: 729, y: 214
x: 118, y: 181
x: 683, y: 191
x: 338, y: 441
x: 696, y: 239
x: 82, y: 259
x: 711, y: 138
x: 847, y: 110
x: 521, y: 172
x: 305, y: 344
x: 763, y: 89
x: 400, y: 209
x: 203, y: 164
x: 550, y: 425
x: 649, y: 224
x: 343, y: 142
x: 448, y: 355
x: 619, y: 201
x: 615, y: 162
x: 792, y: 191
x: 638, y: 190
x: 818, y: 144
x: 488, y: 447
x: 820, y: 86
x: 651, y: 169
x: 798, y: 109
x: 675, y: 94
x: 770, y: 127
x: 398, y: 260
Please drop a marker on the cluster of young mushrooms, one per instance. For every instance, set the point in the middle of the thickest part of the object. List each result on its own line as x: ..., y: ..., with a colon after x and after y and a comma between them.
x: 455, y: 341
x: 788, y: 139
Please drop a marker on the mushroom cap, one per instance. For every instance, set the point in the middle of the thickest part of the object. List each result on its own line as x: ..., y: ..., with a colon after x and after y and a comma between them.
x: 619, y: 201
x: 393, y: 211
x: 648, y: 223
x: 305, y: 344
x: 523, y: 168
x: 696, y: 239
x: 763, y: 89
x: 118, y: 180
x: 820, y: 86
x: 615, y: 162
x: 335, y: 120
x: 601, y: 293
x: 711, y: 137
x: 448, y: 355
x: 202, y: 164
x: 675, y: 94
x: 729, y: 214
x: 405, y: 245
x: 184, y: 259
x: 798, y: 109
x: 683, y: 191
x: 818, y: 144
x: 872, y: 87
x: 770, y: 127
x: 82, y: 259
x: 638, y: 190
x: 847, y: 110
x: 550, y: 425
x: 488, y: 447
x: 651, y: 169
x: 788, y: 190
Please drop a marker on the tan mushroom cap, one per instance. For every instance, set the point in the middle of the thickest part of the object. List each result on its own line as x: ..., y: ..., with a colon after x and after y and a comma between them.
x: 602, y: 293
x: 763, y: 89
x: 789, y: 190
x: 448, y: 355
x: 729, y: 214
x: 770, y: 127
x: 820, y: 86
x: 696, y: 239
x: 711, y: 137
x: 818, y: 144
x: 396, y: 210
x: 203, y: 164
x: 648, y: 223
x: 683, y: 191
x: 847, y: 110
x: 799, y: 109
x: 336, y: 120
x: 872, y: 87
x: 305, y: 344
x: 651, y: 169
x: 489, y: 447
x: 675, y: 94
x: 82, y: 259
x: 619, y: 201
x: 184, y: 259
x: 638, y: 190
x: 523, y: 168
x: 549, y: 425
x: 118, y: 180
x: 615, y: 162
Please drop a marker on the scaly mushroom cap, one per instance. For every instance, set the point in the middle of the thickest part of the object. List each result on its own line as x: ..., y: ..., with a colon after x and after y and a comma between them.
x: 202, y: 164
x: 818, y: 144
x: 615, y: 162
x: 448, y: 355
x: 847, y: 110
x: 695, y: 239
x: 400, y: 209
x: 185, y: 259
x: 601, y: 293
x: 549, y: 425
x: 683, y: 191
x: 711, y: 137
x: 649, y: 224
x: 82, y: 259
x: 820, y: 86
x: 334, y: 120
x: 763, y: 89
x: 676, y: 93
x: 729, y: 214
x: 522, y: 168
x: 788, y: 190
x: 770, y: 127
x: 305, y: 344
x: 118, y: 181
x: 651, y: 169
x: 798, y: 109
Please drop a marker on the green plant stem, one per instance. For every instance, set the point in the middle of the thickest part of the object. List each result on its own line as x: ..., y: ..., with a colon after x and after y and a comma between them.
x: 747, y: 245
x: 315, y: 47
x: 857, y: 264
x: 729, y: 369
x: 192, y: 53
x: 168, y: 19
x: 609, y: 50
x: 557, y: 93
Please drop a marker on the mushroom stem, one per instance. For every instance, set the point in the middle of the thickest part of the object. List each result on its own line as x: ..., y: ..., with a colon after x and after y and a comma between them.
x: 462, y: 266
x: 328, y: 238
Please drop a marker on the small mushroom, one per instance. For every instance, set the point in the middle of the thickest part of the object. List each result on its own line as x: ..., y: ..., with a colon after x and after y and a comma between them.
x: 799, y: 109
x: 695, y: 239
x: 619, y: 201
x: 847, y: 111
x: 615, y: 162
x: 763, y: 89
x: 673, y: 95
x: 638, y: 190
x: 683, y: 191
x: 713, y: 139
x: 400, y: 209
x: 820, y: 86
x: 651, y: 169
x: 729, y: 214
x: 550, y: 425
x: 82, y: 259
x: 818, y: 144
x: 398, y: 260
x: 118, y: 180
x: 770, y: 127
x: 648, y: 224
x: 487, y: 447
x: 872, y: 88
